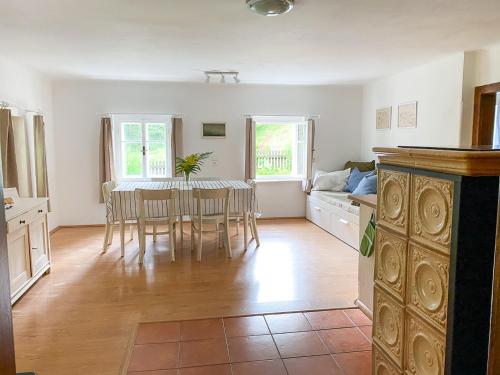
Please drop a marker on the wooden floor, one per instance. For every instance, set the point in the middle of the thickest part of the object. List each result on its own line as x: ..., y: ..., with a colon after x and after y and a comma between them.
x: 80, y: 318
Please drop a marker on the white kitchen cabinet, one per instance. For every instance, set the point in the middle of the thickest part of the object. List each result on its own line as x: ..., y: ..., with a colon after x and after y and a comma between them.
x: 366, y: 265
x: 28, y: 244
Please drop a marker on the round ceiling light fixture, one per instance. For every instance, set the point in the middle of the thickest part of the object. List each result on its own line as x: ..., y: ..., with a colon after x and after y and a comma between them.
x: 270, y: 7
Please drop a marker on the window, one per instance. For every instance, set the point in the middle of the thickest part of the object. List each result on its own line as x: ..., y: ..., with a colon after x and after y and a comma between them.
x: 280, y: 147
x: 496, y: 123
x: 142, y: 146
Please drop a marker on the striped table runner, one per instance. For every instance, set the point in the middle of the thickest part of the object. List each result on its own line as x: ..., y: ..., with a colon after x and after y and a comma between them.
x: 124, y: 204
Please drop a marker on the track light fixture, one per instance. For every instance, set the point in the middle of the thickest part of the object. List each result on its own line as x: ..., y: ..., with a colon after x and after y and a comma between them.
x: 270, y: 7
x: 222, y: 75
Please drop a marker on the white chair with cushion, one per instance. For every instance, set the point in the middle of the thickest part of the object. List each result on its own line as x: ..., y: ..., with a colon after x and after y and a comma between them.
x: 107, y: 188
x: 219, y: 218
x: 165, y: 197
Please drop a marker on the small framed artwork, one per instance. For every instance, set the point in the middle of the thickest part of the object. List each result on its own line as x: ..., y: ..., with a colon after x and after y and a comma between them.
x: 407, y: 115
x: 213, y: 130
x: 383, y: 121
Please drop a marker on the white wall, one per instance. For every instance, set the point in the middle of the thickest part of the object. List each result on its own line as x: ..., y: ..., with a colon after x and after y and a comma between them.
x: 436, y: 86
x: 79, y: 105
x: 28, y: 89
x: 481, y: 67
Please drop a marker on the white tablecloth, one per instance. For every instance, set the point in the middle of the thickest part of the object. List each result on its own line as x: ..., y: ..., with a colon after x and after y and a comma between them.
x: 124, y: 205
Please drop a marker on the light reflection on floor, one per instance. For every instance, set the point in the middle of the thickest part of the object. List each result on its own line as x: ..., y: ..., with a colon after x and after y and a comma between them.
x: 274, y: 272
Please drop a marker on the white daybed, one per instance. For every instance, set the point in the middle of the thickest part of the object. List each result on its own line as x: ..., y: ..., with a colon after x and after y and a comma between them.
x: 335, y: 213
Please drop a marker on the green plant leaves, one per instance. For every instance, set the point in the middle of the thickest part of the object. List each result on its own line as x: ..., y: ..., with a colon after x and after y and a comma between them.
x: 191, y: 163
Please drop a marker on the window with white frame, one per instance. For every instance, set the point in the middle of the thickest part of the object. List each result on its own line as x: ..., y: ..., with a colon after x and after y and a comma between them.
x: 142, y: 146
x: 280, y: 147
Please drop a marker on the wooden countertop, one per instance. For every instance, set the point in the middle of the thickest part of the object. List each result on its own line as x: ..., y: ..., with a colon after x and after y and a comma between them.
x: 465, y: 162
x: 369, y: 200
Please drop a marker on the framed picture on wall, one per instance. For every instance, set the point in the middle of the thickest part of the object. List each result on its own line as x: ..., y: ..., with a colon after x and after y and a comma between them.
x: 407, y: 115
x: 383, y: 118
x: 213, y: 130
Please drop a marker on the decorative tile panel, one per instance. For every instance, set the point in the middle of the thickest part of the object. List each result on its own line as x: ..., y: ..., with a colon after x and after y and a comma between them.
x: 431, y: 212
x: 428, y: 273
x: 390, y: 263
x: 389, y: 326
x: 382, y: 365
x: 425, y: 347
x: 392, y: 206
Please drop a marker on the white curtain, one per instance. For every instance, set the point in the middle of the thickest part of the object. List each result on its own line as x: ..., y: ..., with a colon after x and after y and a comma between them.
x: 42, y: 181
x: 8, y: 151
x: 106, y: 158
x: 307, y: 182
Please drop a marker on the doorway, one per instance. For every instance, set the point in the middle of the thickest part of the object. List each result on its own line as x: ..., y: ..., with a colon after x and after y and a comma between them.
x: 7, y: 359
x: 486, y: 126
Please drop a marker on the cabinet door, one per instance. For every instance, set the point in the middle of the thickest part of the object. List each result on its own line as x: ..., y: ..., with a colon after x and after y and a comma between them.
x: 19, y: 259
x: 39, y: 244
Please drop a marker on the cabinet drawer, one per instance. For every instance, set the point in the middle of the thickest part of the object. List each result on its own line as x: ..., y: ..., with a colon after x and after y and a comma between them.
x: 432, y: 207
x: 27, y: 217
x: 40, y: 211
x: 388, y: 318
x: 428, y: 284
x: 345, y: 230
x: 20, y: 221
x: 425, y: 348
x: 318, y: 214
x: 390, y: 263
x: 382, y: 365
x: 392, y: 205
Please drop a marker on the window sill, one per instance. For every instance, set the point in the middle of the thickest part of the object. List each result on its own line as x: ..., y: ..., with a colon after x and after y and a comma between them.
x: 142, y: 179
x: 273, y: 180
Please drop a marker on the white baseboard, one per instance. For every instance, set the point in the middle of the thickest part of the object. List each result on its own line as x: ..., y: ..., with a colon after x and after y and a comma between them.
x: 363, y: 308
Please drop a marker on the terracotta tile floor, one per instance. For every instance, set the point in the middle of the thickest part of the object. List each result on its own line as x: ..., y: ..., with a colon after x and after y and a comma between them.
x: 317, y: 343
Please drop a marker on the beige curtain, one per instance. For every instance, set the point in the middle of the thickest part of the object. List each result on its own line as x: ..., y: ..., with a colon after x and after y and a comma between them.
x: 42, y: 181
x: 176, y: 141
x: 307, y: 183
x: 8, y: 151
x: 249, y: 150
x: 106, y: 160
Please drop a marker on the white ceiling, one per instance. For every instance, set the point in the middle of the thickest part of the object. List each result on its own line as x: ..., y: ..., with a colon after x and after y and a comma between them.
x: 319, y: 42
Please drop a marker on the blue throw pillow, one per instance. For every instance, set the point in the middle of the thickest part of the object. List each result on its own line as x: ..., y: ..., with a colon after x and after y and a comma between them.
x: 368, y: 185
x: 355, y: 178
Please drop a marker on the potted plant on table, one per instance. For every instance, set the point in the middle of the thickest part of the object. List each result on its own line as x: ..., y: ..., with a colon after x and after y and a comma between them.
x: 191, y: 164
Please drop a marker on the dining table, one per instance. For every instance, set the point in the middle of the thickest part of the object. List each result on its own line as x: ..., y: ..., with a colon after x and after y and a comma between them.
x: 124, y: 205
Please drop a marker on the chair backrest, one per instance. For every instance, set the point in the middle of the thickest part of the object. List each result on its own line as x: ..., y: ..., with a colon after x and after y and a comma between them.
x: 107, y: 188
x: 159, y: 203
x: 219, y: 201
x: 253, y: 185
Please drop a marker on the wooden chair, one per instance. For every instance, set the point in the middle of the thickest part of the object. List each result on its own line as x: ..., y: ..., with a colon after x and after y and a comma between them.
x: 107, y: 188
x: 219, y: 218
x: 169, y: 197
x: 251, y: 217
x: 195, y: 179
